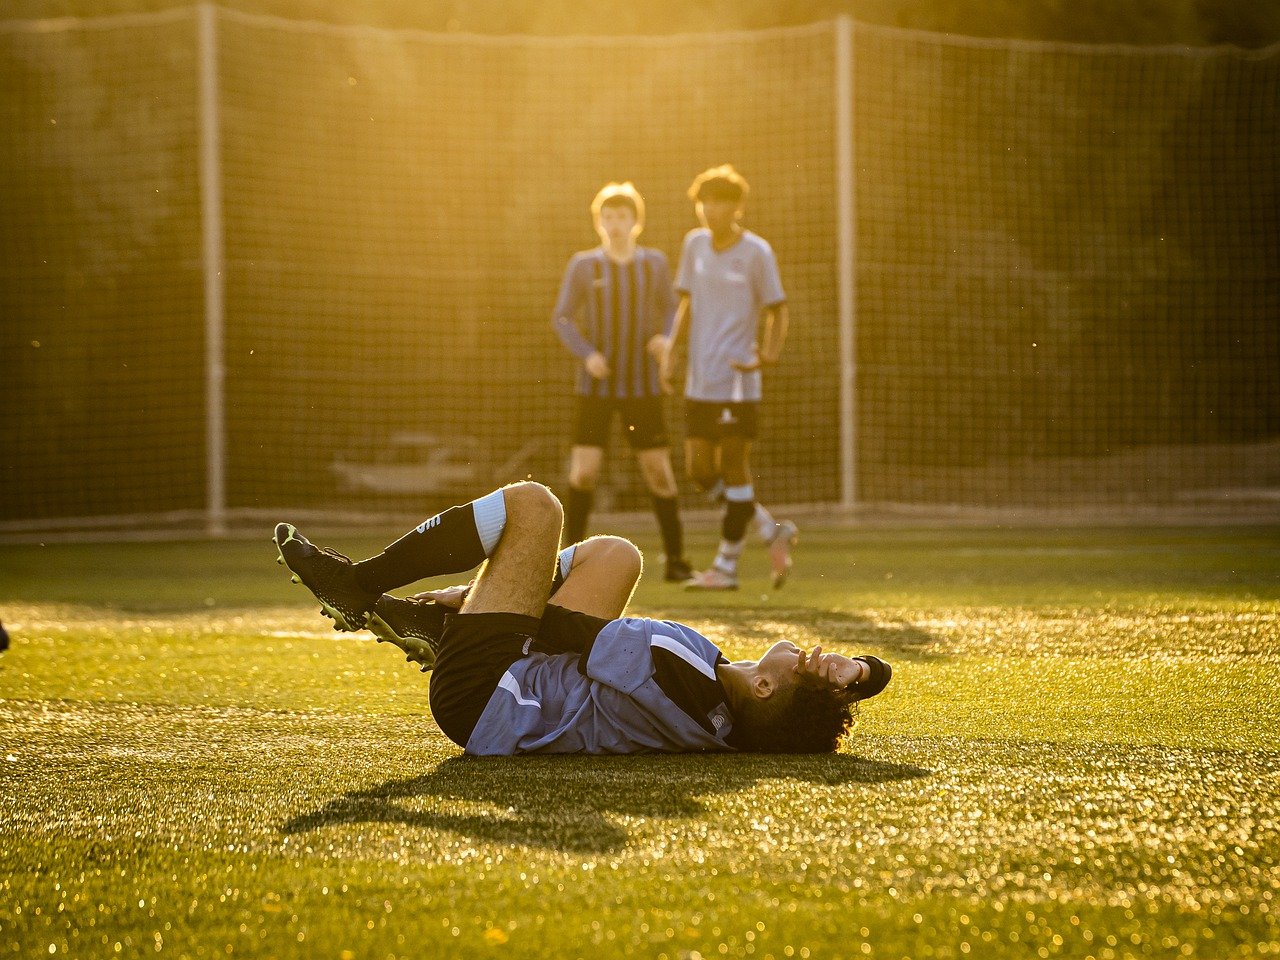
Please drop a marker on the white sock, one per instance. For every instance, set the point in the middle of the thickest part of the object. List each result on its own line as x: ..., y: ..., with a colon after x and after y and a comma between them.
x: 765, y: 524
x: 726, y: 560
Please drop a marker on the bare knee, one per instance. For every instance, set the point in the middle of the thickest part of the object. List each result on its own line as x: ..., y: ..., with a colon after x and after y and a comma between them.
x: 700, y: 463
x: 620, y: 555
x: 533, y: 503
x: 583, y: 477
x: 702, y: 475
x: 584, y: 467
x: 658, y: 475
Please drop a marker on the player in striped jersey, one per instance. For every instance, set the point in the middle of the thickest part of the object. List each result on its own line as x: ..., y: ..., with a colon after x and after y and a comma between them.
x: 516, y: 674
x: 734, y: 312
x: 614, y: 313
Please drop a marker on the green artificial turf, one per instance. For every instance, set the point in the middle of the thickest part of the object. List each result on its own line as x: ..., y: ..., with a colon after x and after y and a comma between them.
x: 1078, y: 757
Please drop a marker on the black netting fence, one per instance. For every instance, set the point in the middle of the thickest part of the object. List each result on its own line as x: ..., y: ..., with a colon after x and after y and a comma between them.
x: 1067, y: 260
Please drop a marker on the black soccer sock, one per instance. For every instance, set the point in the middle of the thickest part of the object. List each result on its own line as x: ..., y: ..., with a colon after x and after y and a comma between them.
x: 667, y: 510
x: 450, y: 542
x: 576, y: 512
x: 737, y: 514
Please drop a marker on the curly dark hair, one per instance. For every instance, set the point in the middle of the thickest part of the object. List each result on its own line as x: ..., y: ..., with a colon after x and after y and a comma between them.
x: 811, y: 717
x: 719, y: 183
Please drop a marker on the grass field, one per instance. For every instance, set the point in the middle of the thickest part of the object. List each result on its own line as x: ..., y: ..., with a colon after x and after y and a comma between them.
x: 1079, y: 757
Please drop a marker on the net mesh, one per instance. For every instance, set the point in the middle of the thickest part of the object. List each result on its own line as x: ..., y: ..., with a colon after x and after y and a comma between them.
x: 1068, y: 260
x: 1068, y: 272
x: 101, y: 328
x: 427, y: 194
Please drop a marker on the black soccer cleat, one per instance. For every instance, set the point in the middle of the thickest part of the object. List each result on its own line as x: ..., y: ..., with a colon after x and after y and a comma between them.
x: 678, y: 570
x: 414, y: 626
x: 879, y: 677
x: 328, y: 575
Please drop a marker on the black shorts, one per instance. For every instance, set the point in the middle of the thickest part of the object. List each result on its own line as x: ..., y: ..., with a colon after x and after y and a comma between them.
x: 713, y: 421
x: 476, y: 649
x: 642, y: 420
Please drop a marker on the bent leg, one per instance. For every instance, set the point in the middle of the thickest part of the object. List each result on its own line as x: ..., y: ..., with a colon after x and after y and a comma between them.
x: 737, y: 472
x: 655, y: 467
x: 584, y: 466
x: 502, y: 613
x: 701, y: 462
x: 735, y: 461
x: 739, y: 505
x: 599, y: 584
x: 517, y: 576
x: 600, y: 573
x: 450, y: 542
x: 584, y: 474
x: 602, y: 579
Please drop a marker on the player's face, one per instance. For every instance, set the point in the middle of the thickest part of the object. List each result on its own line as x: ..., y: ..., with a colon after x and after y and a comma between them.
x: 618, y: 223
x: 719, y: 216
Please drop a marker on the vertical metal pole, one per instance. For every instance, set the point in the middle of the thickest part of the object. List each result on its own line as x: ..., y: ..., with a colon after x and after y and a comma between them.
x: 847, y: 262
x: 214, y: 279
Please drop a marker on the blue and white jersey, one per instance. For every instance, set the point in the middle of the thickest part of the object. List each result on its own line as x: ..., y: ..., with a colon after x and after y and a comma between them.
x: 727, y: 291
x: 616, y: 308
x: 643, y: 686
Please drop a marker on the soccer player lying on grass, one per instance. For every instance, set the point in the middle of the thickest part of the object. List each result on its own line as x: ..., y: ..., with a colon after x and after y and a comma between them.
x: 516, y: 674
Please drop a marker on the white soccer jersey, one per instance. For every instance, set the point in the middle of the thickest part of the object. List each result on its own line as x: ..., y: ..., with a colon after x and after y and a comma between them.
x: 727, y: 290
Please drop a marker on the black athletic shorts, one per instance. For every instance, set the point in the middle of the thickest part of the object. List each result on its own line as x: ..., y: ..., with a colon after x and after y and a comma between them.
x: 642, y: 420
x: 713, y: 421
x: 476, y: 649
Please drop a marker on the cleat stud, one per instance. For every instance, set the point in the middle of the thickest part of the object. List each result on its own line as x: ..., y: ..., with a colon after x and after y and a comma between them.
x: 280, y: 560
x: 295, y: 579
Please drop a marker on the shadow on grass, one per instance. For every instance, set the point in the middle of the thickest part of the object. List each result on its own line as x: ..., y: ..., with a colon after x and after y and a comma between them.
x: 857, y: 631
x: 572, y: 803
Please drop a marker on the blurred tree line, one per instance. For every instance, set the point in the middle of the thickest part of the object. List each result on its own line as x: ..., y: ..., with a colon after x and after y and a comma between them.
x: 1245, y: 23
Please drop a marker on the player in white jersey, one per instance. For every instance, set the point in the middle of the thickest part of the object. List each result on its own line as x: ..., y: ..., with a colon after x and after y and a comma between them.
x: 734, y: 312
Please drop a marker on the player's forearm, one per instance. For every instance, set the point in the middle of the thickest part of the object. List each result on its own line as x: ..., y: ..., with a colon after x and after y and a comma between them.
x: 572, y: 337
x: 774, y: 333
x: 680, y: 323
x: 667, y: 316
x: 666, y: 362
